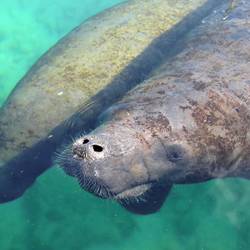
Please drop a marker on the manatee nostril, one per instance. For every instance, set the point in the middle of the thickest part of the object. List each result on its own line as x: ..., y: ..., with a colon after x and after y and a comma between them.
x: 85, y: 141
x: 97, y: 148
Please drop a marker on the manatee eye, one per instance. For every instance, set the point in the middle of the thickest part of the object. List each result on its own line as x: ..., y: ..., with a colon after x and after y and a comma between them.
x: 175, y: 153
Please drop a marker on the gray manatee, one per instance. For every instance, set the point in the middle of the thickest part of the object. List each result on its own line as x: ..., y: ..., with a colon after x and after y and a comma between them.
x: 188, y: 123
x: 106, y: 56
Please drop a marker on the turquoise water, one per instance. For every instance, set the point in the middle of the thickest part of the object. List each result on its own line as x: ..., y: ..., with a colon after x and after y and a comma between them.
x: 56, y: 214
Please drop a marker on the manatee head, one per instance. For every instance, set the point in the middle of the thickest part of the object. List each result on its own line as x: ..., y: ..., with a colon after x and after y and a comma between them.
x: 126, y: 159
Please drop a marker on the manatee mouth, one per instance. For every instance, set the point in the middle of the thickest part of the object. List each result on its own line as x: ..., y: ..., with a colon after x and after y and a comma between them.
x: 143, y: 199
x: 97, y: 188
x: 133, y: 192
x: 137, y: 194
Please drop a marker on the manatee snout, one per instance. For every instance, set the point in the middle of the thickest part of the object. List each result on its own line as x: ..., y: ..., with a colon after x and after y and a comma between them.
x: 111, y: 165
x: 84, y: 148
x: 100, y: 160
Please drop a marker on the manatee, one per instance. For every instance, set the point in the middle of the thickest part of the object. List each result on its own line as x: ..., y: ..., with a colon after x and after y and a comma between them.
x: 188, y: 123
x: 105, y: 56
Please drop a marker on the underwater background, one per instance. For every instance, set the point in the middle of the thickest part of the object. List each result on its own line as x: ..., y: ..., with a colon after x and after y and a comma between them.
x: 56, y: 214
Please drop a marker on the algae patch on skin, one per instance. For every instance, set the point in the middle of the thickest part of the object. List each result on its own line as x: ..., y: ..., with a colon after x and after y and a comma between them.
x: 28, y: 29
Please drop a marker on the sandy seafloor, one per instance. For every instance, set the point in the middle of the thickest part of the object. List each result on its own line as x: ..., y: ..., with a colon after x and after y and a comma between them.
x: 56, y: 215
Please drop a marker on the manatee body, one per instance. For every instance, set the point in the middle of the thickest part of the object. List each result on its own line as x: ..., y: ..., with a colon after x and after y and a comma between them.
x: 188, y: 123
x: 108, y: 54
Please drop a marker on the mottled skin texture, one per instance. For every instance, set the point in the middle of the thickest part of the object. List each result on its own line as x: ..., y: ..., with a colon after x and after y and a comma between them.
x: 189, y: 123
x: 107, y: 55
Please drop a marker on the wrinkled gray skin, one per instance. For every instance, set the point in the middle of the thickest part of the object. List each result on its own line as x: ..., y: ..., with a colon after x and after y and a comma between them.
x: 189, y: 123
